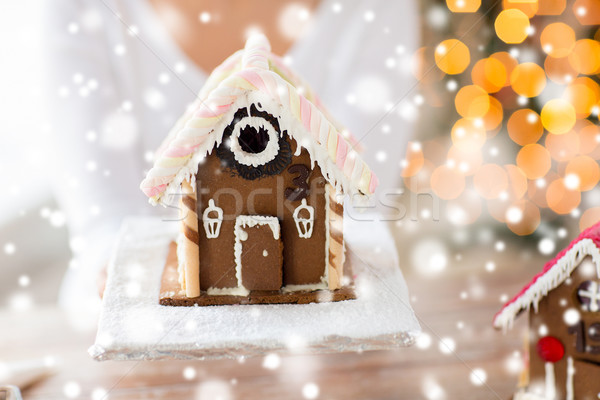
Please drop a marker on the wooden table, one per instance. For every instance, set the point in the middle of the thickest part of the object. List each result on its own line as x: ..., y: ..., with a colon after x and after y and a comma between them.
x: 411, y: 374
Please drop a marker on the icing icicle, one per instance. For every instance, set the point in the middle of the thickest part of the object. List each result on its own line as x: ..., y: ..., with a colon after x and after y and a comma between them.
x: 553, y: 275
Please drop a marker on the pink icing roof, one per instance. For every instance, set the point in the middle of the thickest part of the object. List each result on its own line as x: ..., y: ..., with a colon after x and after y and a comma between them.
x: 592, y: 233
x: 256, y: 69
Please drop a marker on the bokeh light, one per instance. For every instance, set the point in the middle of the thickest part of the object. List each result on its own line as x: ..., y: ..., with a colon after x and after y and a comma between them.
x: 472, y: 102
x: 490, y: 181
x: 585, y: 57
x: 558, y: 116
x: 508, y: 61
x: 584, y: 95
x: 468, y: 162
x: 452, y: 56
x: 589, y: 138
x: 561, y: 199
x: 492, y: 119
x: 590, y: 217
x: 448, y: 183
x: 463, y: 6
x: 512, y: 26
x: 523, y: 217
x: 559, y: 70
x: 557, y: 39
x: 528, y: 79
x: 562, y: 147
x: 526, y: 139
x: 528, y: 7
x: 525, y: 127
x: 586, y: 170
x: 534, y: 160
x: 468, y: 135
x: 489, y: 74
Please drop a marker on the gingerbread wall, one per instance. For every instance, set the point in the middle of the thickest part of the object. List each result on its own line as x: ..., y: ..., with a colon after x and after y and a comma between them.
x: 580, y: 340
x: 304, y: 260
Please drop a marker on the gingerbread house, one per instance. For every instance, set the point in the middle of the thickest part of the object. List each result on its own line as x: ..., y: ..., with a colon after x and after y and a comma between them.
x: 563, y: 303
x: 258, y: 168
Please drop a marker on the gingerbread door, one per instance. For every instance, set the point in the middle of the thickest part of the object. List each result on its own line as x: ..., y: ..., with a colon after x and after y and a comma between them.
x: 258, y: 251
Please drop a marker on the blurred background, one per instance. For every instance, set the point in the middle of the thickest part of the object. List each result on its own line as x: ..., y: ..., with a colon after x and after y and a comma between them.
x: 495, y: 146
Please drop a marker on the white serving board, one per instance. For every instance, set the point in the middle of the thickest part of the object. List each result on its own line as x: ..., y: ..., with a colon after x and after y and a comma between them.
x: 133, y: 326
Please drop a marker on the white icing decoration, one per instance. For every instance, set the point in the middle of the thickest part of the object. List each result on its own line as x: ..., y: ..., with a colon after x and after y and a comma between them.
x: 553, y: 278
x: 324, y: 284
x: 212, y: 225
x: 593, y: 294
x: 550, y: 392
x: 235, y: 291
x: 241, y: 222
x: 570, y: 375
x: 304, y: 225
x: 254, y: 159
x: 265, y: 253
x: 306, y: 287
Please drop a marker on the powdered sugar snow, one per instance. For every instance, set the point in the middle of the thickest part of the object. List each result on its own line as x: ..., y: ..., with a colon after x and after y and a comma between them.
x: 134, y: 326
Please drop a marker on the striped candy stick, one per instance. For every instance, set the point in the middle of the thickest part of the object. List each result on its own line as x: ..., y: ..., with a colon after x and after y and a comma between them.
x: 189, y: 254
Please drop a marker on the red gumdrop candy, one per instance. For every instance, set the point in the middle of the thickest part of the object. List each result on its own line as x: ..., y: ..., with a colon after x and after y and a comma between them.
x: 550, y: 349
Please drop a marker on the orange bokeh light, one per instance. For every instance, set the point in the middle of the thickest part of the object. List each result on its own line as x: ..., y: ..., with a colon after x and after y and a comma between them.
x: 590, y: 217
x: 523, y: 217
x: 525, y: 127
x: 559, y: 70
x: 585, y: 57
x: 508, y: 61
x: 528, y: 79
x: 448, y: 183
x: 583, y: 95
x: 467, y: 162
x: 560, y: 198
x: 490, y: 181
x: 517, y: 182
x: 489, y: 74
x: 492, y: 120
x: 463, y: 6
x: 586, y: 170
x: 468, y: 135
x: 512, y: 26
x: 551, y: 7
x: 452, y: 56
x: 536, y: 189
x: 557, y: 39
x: 558, y: 116
x: 472, y: 102
x: 534, y: 160
x: 589, y: 138
x: 562, y: 147
x: 529, y: 8
x: 587, y: 12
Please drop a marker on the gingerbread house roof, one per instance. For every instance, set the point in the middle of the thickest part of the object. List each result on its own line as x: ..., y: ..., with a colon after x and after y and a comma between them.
x: 554, y: 273
x: 251, y: 75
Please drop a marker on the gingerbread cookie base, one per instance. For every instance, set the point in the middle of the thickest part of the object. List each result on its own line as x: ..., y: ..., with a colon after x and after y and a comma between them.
x: 172, y: 295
